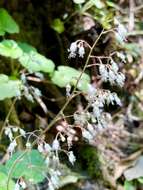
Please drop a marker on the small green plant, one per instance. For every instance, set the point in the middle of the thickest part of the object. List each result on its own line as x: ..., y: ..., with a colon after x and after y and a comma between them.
x: 133, y: 184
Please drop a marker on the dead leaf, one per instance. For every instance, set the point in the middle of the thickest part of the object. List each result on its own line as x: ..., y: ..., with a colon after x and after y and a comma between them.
x: 125, y: 164
x: 136, y: 171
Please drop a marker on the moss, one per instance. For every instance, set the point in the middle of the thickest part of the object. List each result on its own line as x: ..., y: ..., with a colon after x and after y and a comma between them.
x: 90, y: 161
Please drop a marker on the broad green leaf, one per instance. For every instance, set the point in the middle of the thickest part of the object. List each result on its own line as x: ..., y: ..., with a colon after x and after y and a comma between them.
x: 58, y: 25
x: 87, y: 6
x: 35, y: 62
x: 1, y: 32
x: 7, y: 23
x: 128, y: 185
x: 31, y: 166
x: 68, y: 75
x: 9, y: 48
x: 3, y: 169
x: 9, y: 88
x: 140, y: 180
x: 27, y: 56
x: 111, y: 4
x: 26, y: 47
x: 3, y: 78
x: 3, y: 182
x: 97, y: 3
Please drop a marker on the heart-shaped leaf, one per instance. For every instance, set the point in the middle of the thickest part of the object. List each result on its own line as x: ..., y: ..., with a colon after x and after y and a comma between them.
x: 68, y: 75
x: 140, y: 180
x: 9, y: 48
x: 31, y: 166
x: 27, y: 48
x: 128, y: 185
x: 35, y: 62
x: 58, y: 25
x: 3, y: 182
x: 9, y: 88
x: 7, y: 23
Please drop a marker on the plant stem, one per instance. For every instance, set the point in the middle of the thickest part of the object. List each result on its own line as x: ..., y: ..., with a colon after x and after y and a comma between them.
x: 7, y: 117
x: 70, y: 98
x: 60, y: 112
x: 12, y: 168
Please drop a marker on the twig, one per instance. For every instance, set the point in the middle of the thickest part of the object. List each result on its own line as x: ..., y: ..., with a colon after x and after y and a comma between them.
x: 135, y: 33
x: 12, y: 168
x: 7, y: 117
x: 131, y: 15
x: 60, y: 112
x: 138, y: 8
x: 71, y: 97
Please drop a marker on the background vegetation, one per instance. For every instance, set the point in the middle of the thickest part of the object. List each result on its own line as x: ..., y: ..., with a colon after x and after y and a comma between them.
x: 54, y: 132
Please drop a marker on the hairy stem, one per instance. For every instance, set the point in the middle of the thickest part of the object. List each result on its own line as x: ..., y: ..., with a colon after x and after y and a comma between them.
x: 70, y: 98
x: 60, y: 112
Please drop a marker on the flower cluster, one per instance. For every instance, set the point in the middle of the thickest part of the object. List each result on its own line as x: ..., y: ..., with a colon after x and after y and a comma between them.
x: 67, y: 130
x: 27, y: 94
x: 76, y: 48
x: 121, y: 31
x: 110, y: 73
x: 29, y: 91
x: 51, y: 154
x: 71, y: 157
x: 100, y: 97
x: 81, y: 118
x: 20, y: 184
x: 12, y: 147
x: 68, y: 90
x: 13, y: 129
x: 94, y: 120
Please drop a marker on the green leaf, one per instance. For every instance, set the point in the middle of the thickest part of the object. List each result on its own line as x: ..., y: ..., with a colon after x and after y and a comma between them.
x: 68, y: 75
x: 140, y: 180
x: 9, y: 48
x: 87, y: 6
x: 2, y: 33
x: 7, y: 23
x: 9, y: 88
x: 98, y: 3
x: 26, y: 47
x: 111, y: 4
x: 58, y: 25
x: 3, y: 169
x: 31, y: 166
x: 35, y: 62
x: 27, y: 56
x: 128, y: 185
x: 3, y: 182
x: 3, y: 78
